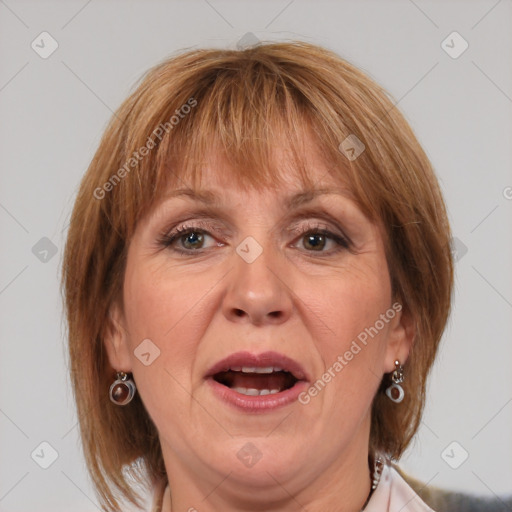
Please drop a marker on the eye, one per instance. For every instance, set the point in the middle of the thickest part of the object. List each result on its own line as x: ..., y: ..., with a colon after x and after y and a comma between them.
x: 186, y: 239
x: 190, y: 239
x: 317, y: 238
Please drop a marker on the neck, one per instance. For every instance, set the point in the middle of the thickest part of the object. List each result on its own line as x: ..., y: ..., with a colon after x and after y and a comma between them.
x: 343, y: 486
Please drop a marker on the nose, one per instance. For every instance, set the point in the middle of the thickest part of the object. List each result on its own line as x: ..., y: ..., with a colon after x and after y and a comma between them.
x: 257, y: 292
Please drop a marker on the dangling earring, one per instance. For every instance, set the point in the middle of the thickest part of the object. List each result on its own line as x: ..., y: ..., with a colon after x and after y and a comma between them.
x: 122, y: 389
x: 395, y: 392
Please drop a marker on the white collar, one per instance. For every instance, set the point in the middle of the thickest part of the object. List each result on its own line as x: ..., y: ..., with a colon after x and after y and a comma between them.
x: 393, y: 494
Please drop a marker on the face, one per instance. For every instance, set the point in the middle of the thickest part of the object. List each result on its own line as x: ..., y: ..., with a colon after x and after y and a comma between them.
x: 258, y: 329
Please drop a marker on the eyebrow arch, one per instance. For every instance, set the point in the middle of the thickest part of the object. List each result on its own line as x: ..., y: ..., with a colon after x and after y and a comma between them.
x: 211, y: 199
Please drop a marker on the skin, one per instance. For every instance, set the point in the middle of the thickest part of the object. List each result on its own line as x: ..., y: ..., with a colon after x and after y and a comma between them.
x: 307, y: 302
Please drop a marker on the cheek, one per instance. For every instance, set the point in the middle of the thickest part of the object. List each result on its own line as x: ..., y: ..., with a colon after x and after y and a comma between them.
x: 351, y: 336
x: 159, y: 301
x: 169, y: 309
x: 350, y: 301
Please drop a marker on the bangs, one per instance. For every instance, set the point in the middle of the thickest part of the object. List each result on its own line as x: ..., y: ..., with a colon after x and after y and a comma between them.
x: 240, y: 136
x: 245, y: 115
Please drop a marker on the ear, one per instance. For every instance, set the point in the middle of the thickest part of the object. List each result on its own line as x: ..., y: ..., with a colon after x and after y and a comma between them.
x: 401, y: 334
x: 115, y: 340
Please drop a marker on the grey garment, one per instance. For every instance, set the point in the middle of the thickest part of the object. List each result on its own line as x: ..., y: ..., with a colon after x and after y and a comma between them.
x: 451, y: 501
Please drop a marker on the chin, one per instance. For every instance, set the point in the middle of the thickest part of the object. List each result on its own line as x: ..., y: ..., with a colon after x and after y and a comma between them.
x: 258, y: 461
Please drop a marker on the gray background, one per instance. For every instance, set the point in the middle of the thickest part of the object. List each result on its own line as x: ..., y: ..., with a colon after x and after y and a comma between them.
x: 53, y: 112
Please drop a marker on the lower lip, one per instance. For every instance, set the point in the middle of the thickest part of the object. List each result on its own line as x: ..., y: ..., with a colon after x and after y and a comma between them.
x: 262, y: 403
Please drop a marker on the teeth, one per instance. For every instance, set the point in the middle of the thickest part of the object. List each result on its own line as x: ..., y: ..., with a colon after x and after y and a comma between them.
x: 264, y: 370
x: 248, y: 369
x: 256, y: 392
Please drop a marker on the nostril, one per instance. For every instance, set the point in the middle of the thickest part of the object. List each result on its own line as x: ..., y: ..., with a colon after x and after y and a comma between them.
x: 239, y: 312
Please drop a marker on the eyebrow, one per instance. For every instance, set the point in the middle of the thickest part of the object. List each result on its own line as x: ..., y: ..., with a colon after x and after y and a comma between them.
x: 209, y: 198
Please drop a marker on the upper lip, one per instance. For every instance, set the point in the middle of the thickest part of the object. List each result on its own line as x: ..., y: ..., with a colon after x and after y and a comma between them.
x: 263, y: 360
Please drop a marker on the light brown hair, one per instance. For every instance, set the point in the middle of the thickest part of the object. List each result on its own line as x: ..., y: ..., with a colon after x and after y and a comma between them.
x: 241, y: 102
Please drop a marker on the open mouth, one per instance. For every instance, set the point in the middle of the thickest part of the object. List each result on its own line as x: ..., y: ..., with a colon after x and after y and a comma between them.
x: 255, y: 381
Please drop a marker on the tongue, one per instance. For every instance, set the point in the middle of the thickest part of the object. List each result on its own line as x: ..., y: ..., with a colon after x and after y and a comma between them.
x: 275, y: 380
x: 258, y: 381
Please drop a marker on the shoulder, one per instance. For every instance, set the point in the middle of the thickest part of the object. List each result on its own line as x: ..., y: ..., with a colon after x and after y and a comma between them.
x: 442, y: 500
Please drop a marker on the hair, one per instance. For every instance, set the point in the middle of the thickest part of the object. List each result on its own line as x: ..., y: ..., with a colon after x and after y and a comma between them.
x: 238, y: 103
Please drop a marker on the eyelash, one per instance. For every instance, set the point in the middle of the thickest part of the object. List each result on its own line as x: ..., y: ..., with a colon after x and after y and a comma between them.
x: 167, y: 239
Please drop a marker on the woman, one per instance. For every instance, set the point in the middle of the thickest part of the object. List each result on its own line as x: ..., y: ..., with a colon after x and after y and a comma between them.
x: 257, y: 276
